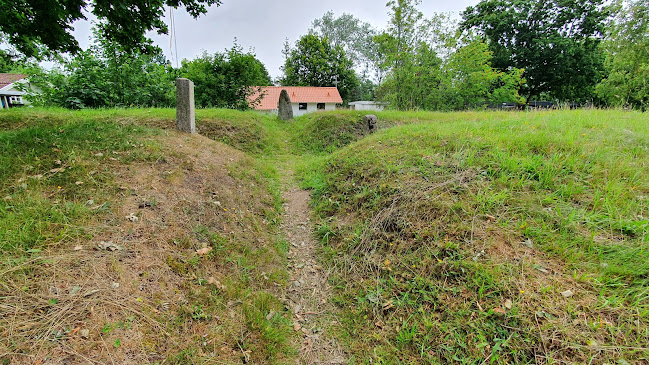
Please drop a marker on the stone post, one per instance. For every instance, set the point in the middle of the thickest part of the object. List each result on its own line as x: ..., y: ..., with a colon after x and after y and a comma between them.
x: 185, y: 114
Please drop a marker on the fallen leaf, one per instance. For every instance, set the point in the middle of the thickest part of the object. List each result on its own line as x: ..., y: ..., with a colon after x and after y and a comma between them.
x: 379, y: 324
x: 270, y: 315
x: 508, y: 304
x: 212, y: 281
x: 84, y: 333
x: 58, y: 169
x: 109, y: 246
x: 78, y: 248
x: 78, y: 183
x: 388, y: 305
x: 296, y: 326
x: 528, y: 243
x: 132, y: 217
x: 499, y: 310
x: 567, y: 294
x: 204, y: 251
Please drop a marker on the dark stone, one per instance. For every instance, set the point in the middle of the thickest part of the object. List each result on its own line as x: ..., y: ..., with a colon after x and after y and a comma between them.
x: 284, y: 108
x: 370, y: 120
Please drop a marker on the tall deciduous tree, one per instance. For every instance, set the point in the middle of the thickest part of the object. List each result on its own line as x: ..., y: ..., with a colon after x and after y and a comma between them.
x: 226, y: 80
x: 316, y: 62
x: 353, y: 35
x: 556, y: 42
x: 406, y: 57
x: 37, y: 27
x: 627, y: 83
x: 469, y: 81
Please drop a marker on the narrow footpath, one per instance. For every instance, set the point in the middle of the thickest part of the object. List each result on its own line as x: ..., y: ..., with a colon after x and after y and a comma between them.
x: 308, y: 292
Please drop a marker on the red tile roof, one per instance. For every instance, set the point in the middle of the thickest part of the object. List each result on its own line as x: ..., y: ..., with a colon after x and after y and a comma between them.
x: 298, y: 94
x: 6, y: 79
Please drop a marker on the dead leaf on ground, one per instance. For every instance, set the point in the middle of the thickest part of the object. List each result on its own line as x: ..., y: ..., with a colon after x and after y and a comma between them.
x: 132, y: 217
x: 204, y: 251
x: 567, y: 294
x: 212, y: 281
x: 109, y: 246
x: 499, y: 310
x: 508, y: 304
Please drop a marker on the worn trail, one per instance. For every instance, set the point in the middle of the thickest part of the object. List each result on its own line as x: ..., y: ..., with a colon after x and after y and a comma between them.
x: 308, y: 292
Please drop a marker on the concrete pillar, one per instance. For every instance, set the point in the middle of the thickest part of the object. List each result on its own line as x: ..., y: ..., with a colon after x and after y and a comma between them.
x: 185, y: 113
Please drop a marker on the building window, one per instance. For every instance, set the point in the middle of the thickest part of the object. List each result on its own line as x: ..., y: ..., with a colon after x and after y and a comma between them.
x: 321, y: 106
x: 302, y: 106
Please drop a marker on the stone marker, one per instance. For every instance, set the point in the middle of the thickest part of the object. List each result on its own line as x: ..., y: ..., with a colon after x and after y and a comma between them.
x: 185, y: 113
x: 371, y: 121
x: 284, y: 108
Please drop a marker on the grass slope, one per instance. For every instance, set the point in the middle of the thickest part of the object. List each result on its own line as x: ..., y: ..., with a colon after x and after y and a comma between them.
x: 191, y: 279
x: 468, y: 237
x: 454, y: 241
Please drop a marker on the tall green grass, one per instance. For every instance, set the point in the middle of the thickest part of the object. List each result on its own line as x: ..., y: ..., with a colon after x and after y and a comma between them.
x: 407, y: 214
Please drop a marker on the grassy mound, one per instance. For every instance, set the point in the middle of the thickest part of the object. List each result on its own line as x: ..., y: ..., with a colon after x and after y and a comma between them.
x: 247, y: 131
x: 130, y: 244
x: 328, y: 131
x: 515, y: 240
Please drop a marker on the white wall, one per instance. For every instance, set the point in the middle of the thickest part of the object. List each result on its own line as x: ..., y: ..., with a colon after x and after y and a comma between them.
x: 368, y: 106
x: 310, y: 108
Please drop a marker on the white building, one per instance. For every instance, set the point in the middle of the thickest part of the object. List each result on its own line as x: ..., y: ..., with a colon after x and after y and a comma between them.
x: 304, y: 99
x: 10, y: 96
x: 367, y: 105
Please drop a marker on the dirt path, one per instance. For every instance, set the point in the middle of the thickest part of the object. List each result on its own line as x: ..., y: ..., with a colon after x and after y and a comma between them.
x: 308, y: 292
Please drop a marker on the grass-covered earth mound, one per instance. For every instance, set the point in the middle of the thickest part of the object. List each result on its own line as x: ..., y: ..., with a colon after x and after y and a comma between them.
x: 474, y: 237
x: 516, y: 240
x: 123, y: 243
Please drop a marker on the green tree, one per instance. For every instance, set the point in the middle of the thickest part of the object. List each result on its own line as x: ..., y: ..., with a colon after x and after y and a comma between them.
x: 627, y: 60
x: 226, y: 80
x: 39, y: 27
x: 315, y: 62
x: 556, y: 42
x: 353, y: 35
x: 411, y: 65
x: 469, y: 81
x: 107, y: 76
x: 416, y: 82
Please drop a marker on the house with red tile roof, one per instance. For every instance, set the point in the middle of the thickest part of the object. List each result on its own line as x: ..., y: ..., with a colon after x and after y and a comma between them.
x: 10, y: 95
x: 304, y: 99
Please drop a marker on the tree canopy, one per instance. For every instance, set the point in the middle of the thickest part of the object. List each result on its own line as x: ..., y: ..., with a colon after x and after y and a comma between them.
x: 627, y: 61
x: 225, y: 79
x: 314, y: 61
x: 41, y: 27
x: 556, y: 42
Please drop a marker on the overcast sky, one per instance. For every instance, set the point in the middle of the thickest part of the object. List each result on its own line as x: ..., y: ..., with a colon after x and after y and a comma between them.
x: 264, y: 25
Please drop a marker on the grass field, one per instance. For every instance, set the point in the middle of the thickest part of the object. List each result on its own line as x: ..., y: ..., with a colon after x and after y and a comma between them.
x: 476, y: 237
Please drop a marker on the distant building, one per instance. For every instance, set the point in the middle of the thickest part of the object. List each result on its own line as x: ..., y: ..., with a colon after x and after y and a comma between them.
x: 304, y: 99
x: 367, y: 105
x: 10, y: 96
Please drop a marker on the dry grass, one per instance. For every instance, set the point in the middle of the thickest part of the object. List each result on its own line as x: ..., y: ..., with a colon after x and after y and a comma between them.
x: 155, y: 299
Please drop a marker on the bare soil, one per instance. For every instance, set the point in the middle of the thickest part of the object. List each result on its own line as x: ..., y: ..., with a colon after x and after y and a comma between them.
x: 308, y: 293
